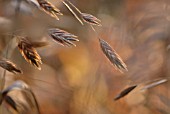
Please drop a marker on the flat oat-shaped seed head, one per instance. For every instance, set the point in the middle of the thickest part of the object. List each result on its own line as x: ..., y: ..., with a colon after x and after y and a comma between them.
x: 29, y: 52
x: 111, y: 54
x: 88, y: 18
x: 49, y: 8
x: 62, y: 37
x: 125, y: 92
x: 8, y: 65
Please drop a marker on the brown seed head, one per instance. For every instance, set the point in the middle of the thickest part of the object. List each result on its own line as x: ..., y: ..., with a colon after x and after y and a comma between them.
x: 111, y: 54
x: 49, y: 8
x: 125, y: 92
x: 90, y: 19
x: 8, y: 65
x: 62, y: 37
x: 29, y: 52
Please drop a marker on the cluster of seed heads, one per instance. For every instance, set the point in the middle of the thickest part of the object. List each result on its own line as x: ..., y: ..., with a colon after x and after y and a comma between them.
x: 28, y: 51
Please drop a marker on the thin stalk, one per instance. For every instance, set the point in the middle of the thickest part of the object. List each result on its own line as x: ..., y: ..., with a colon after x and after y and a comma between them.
x: 4, y: 72
x: 9, y: 44
x: 74, y: 6
x: 2, y: 81
x: 73, y: 12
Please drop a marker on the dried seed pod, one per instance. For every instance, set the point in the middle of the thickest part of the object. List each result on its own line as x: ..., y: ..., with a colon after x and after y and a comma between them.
x: 29, y: 52
x: 125, y: 92
x: 90, y: 19
x: 111, y: 54
x: 49, y: 8
x: 26, y: 92
x: 8, y: 65
x: 62, y: 37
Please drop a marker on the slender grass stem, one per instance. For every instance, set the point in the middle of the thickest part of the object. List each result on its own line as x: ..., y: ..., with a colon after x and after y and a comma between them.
x: 3, y: 78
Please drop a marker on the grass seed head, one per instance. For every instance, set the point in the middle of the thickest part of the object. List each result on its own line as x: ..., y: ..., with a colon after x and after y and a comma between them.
x: 8, y: 65
x: 29, y: 52
x: 62, y: 37
x: 125, y: 92
x: 111, y: 54
x: 49, y: 8
x: 88, y: 18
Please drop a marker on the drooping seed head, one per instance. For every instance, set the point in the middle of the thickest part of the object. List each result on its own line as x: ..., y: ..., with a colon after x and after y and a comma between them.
x: 111, y: 54
x: 49, y: 8
x: 27, y: 93
x: 88, y: 18
x: 62, y: 37
x: 125, y: 92
x: 29, y: 52
x: 10, y: 66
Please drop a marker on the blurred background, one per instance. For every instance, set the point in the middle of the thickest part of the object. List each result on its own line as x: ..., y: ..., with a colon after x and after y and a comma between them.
x: 80, y: 80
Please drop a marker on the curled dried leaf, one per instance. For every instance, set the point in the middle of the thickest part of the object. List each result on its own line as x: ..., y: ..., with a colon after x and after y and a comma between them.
x: 17, y: 85
x: 49, y: 8
x: 62, y: 37
x: 125, y: 92
x: 90, y: 19
x: 27, y: 93
x: 111, y: 54
x: 29, y: 53
x: 11, y: 102
x: 8, y: 65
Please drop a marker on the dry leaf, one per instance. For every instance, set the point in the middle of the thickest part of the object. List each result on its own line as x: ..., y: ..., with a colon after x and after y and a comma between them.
x: 26, y: 91
x: 11, y: 102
